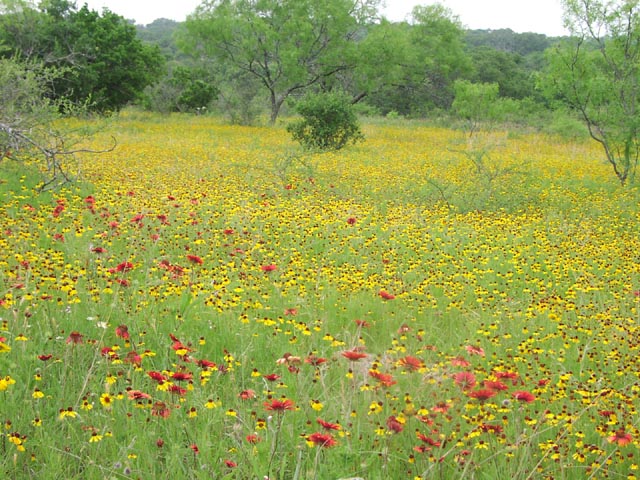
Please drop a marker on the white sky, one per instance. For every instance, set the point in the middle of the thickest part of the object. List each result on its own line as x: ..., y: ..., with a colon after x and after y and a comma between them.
x: 540, y: 16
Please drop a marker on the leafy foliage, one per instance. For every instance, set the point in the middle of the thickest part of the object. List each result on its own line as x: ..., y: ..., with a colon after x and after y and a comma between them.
x: 597, y: 74
x: 328, y: 122
x: 288, y: 46
x: 104, y: 62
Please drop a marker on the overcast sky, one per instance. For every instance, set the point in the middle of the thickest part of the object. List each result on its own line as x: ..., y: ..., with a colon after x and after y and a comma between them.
x: 540, y: 16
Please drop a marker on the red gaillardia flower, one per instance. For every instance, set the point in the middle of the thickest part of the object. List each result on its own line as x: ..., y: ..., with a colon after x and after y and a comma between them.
x: 354, y: 355
x: 324, y: 440
x: 465, y: 380
x: 482, y: 395
x: 195, y: 259
x: 74, y: 338
x: 328, y: 425
x: 523, y: 396
x: 268, y: 268
x: 394, y: 425
x: 386, y: 295
x: 279, y: 405
x: 620, y: 437
x: 122, y: 331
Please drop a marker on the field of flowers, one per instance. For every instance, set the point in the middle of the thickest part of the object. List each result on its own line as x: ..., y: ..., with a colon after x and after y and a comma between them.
x: 210, y: 304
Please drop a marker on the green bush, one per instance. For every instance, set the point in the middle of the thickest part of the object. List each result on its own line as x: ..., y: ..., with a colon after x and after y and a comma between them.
x: 328, y: 122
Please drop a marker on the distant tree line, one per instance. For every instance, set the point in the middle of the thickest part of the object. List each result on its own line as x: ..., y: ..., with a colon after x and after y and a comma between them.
x: 247, y: 58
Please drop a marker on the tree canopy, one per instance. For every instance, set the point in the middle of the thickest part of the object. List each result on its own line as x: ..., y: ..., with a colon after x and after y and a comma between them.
x: 596, y: 72
x: 287, y: 45
x: 105, y: 64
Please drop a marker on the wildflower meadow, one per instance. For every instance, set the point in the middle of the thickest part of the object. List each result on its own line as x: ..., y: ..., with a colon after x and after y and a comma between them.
x: 209, y: 302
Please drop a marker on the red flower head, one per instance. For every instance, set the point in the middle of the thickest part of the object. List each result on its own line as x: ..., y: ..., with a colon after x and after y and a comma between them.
x: 351, y: 220
x: 474, y: 350
x: 386, y: 295
x: 195, y: 259
x: 354, y: 355
x: 494, y: 385
x: 411, y: 363
x: 247, y: 394
x: 74, y: 338
x: 122, y: 331
x: 394, y: 425
x: 181, y: 376
x: 272, y: 377
x: 482, y: 395
x: 620, y: 437
x: 465, y: 380
x: 279, y: 405
x: 523, y: 396
x: 124, y: 267
x: 157, y: 376
x: 268, y: 268
x: 324, y: 440
x: 160, y: 409
x: 328, y: 425
x: 384, y: 378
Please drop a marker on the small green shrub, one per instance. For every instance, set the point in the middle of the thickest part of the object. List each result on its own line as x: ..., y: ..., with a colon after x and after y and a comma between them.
x: 328, y: 122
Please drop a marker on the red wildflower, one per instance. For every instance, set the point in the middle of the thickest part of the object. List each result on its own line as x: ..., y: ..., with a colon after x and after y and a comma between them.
x: 44, y: 358
x: 75, y: 338
x: 485, y: 427
x: 427, y: 440
x: 291, y: 312
x: 315, y: 361
x: 122, y: 331
x: 123, y: 281
x: 195, y: 259
x: 157, y: 376
x: 99, y: 250
x: 474, y: 350
x: 513, y: 376
x: 137, y: 395
x: 177, y: 389
x: 229, y: 231
x: 279, y: 405
x: 230, y: 463
x: 133, y: 358
x: 620, y: 437
x: 482, y: 395
x: 386, y: 295
x: 195, y: 448
x: 494, y: 385
x: 362, y: 323
x: 268, y: 268
x: 465, y: 380
x: 328, y: 425
x: 253, y: 438
x: 181, y: 376
x: 411, y: 363
x: 160, y: 409
x: 325, y: 440
x: 460, y: 362
x: 523, y: 396
x: 351, y: 220
x: 272, y: 377
x: 124, y: 267
x: 206, y: 364
x: 394, y: 425
x: 384, y: 378
x: 354, y: 355
x: 247, y: 394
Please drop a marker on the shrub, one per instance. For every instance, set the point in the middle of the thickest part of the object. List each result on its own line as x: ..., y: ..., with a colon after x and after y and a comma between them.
x: 328, y: 122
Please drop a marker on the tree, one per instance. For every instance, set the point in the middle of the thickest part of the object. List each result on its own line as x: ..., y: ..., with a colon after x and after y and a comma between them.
x: 28, y: 129
x: 597, y: 73
x: 328, y: 122
x: 103, y: 61
x: 415, y: 64
x: 287, y: 45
